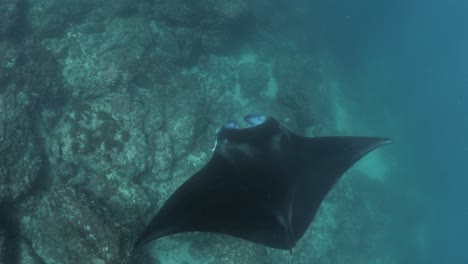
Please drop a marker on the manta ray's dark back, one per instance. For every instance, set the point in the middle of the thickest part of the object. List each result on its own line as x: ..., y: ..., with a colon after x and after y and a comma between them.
x: 263, y: 184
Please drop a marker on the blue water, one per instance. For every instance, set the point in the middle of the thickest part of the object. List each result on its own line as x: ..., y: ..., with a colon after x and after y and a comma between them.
x: 411, y: 59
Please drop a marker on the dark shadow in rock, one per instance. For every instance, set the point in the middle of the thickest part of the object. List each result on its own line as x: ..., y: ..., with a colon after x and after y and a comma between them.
x: 18, y: 29
x: 11, y: 230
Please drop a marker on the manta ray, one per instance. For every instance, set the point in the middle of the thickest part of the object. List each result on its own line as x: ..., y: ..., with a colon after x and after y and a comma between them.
x: 263, y: 184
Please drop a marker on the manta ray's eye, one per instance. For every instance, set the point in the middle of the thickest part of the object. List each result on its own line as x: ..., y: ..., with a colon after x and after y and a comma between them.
x: 255, y: 119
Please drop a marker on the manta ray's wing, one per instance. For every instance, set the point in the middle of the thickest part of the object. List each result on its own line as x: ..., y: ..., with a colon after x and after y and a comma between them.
x: 215, y: 199
x: 263, y: 184
x: 321, y: 161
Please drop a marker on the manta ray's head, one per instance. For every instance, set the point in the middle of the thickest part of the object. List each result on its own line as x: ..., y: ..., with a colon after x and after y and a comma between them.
x: 231, y: 128
x: 261, y: 134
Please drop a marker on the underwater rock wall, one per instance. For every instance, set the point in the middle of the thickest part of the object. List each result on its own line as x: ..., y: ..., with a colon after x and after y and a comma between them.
x: 107, y: 107
x: 219, y: 26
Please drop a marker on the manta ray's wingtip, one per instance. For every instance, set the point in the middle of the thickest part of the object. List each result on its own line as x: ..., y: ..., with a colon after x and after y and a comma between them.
x: 372, y: 143
x: 385, y: 141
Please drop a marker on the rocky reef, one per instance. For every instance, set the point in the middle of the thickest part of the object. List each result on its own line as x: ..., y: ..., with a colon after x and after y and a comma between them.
x: 107, y: 107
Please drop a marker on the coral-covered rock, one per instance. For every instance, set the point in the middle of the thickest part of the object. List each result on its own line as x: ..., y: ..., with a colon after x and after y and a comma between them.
x: 180, y: 12
x: 26, y: 254
x: 39, y: 73
x: 189, y: 46
x: 20, y: 161
x: 298, y: 79
x: 12, y: 20
x: 98, y: 146
x: 103, y: 62
x: 226, y: 13
x: 65, y: 226
x: 253, y: 79
x: 30, y: 81
x: 222, y: 25
x: 162, y: 60
x: 205, y: 13
x: 35, y: 72
x: 56, y: 19
x: 299, y: 82
x: 173, y: 130
x: 227, y: 24
x: 51, y: 18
